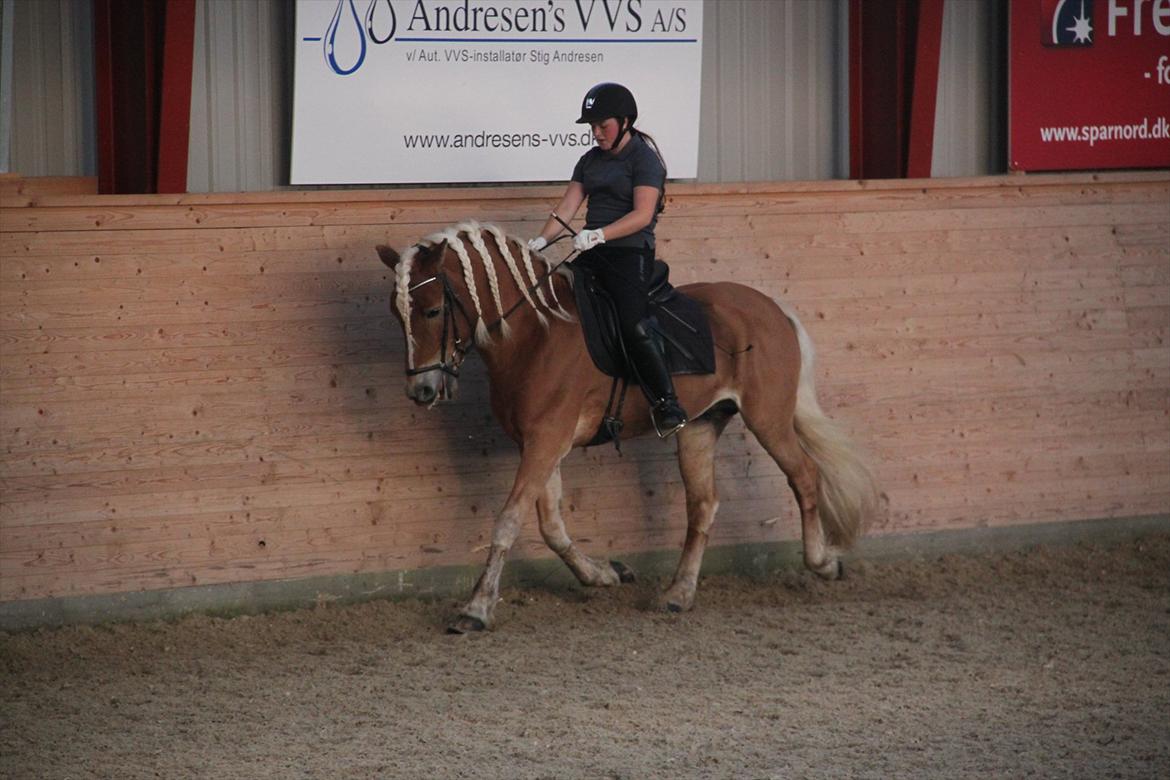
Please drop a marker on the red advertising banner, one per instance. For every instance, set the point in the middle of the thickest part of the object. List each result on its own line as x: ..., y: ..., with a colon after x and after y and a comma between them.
x: 1090, y: 84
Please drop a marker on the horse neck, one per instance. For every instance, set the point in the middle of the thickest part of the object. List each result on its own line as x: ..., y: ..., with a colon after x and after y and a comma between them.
x: 517, y: 337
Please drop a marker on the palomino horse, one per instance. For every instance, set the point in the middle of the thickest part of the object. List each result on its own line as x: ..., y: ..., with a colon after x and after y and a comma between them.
x: 549, y: 397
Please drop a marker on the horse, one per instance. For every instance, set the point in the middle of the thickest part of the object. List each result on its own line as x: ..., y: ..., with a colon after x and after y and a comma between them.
x: 549, y: 397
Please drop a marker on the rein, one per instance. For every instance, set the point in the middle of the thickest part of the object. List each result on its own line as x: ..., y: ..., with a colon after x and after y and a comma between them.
x: 547, y: 274
x: 451, y: 302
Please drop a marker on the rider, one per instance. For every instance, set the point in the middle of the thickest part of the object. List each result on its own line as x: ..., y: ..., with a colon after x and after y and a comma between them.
x: 624, y: 178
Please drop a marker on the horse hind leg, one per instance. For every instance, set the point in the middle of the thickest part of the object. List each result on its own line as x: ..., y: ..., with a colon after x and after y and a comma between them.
x: 782, y: 443
x: 552, y: 527
x: 696, y: 459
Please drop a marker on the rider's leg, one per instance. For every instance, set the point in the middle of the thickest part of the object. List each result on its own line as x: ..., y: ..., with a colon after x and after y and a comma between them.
x: 625, y: 274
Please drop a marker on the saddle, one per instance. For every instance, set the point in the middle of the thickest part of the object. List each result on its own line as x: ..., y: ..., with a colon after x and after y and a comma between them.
x: 678, y: 320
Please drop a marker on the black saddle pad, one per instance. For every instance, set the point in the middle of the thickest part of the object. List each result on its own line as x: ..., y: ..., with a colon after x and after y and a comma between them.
x: 679, y: 320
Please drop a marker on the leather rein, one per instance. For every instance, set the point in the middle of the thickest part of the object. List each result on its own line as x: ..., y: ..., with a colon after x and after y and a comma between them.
x: 451, y: 304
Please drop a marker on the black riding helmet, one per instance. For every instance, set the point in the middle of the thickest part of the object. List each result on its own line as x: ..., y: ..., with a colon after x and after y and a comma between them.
x: 608, y: 100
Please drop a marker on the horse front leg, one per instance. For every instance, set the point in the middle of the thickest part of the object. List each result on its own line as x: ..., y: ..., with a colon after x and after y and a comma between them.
x: 537, y: 464
x: 552, y: 527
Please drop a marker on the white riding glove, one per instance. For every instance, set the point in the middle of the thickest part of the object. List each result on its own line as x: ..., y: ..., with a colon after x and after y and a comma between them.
x: 537, y: 244
x: 587, y: 239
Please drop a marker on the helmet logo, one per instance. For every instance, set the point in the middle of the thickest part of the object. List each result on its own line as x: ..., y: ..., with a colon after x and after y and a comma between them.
x: 589, y: 102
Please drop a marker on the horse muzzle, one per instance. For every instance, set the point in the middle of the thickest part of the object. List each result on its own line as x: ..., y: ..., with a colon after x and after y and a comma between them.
x: 428, y: 388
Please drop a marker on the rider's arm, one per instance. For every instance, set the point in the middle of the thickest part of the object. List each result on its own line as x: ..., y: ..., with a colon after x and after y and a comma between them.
x: 566, y: 210
x: 645, y: 203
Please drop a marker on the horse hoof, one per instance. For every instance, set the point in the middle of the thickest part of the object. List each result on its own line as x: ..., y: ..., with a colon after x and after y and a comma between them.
x: 674, y: 603
x: 624, y: 573
x: 466, y: 624
x: 829, y: 570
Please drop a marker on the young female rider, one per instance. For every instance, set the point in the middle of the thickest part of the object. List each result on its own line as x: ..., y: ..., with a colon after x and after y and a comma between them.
x: 623, y: 177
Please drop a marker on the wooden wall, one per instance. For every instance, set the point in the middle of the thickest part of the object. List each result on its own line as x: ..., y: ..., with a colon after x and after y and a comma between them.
x: 208, y: 389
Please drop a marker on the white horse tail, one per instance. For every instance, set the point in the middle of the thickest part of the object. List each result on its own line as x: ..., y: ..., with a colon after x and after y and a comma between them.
x: 846, y: 490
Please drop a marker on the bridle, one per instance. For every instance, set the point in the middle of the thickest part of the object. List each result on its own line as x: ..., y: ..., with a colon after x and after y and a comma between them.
x: 451, y: 304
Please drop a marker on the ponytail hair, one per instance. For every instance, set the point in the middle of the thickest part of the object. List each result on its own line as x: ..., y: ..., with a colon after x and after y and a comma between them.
x: 654, y: 145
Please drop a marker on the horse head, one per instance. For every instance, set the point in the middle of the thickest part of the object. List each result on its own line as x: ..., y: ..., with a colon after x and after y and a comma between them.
x: 447, y: 288
x: 434, y: 321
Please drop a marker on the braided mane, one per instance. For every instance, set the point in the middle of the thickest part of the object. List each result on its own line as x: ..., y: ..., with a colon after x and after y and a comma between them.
x: 466, y: 239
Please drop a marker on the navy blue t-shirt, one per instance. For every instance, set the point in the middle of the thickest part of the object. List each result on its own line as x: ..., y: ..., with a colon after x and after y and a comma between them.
x: 609, y: 181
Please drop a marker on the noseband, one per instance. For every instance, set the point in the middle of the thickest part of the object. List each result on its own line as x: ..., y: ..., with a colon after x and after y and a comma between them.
x: 451, y: 303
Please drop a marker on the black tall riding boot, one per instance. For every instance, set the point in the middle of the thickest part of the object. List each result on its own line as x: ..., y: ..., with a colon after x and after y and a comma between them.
x: 645, y: 352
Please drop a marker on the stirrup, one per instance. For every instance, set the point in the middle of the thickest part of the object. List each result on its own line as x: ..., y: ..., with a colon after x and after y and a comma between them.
x: 668, y: 432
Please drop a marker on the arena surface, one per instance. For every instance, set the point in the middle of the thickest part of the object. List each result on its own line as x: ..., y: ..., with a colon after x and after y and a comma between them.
x: 1054, y: 662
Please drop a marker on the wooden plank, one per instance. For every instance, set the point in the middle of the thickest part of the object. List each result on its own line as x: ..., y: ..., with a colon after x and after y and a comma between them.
x: 1130, y: 224
x: 668, y: 534
x: 1111, y: 496
x: 735, y: 257
x: 371, y: 407
x: 206, y: 430
x: 368, y: 295
x: 199, y: 311
x: 994, y: 218
x: 16, y: 189
x: 139, y: 337
x: 386, y: 444
x: 333, y: 356
x: 210, y: 343
x: 280, y: 482
x: 981, y: 186
x: 17, y: 300
x: 181, y: 363
x: 781, y: 245
x: 92, y: 268
x: 284, y: 529
x: 1153, y: 233
x: 115, y: 242
x: 200, y: 563
x: 148, y: 575
x: 1154, y: 295
x: 248, y: 463
x: 366, y: 391
x: 275, y: 524
x: 1144, y: 318
x: 1103, y: 449
x: 403, y: 210
x: 44, y: 294
x: 252, y: 375
x: 1009, y: 513
x: 769, y: 237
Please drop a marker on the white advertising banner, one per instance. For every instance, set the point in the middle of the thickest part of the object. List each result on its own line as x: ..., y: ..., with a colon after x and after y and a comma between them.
x: 421, y: 91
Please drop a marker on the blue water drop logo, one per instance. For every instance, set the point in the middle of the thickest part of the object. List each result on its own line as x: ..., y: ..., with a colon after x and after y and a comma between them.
x: 335, y: 26
x: 370, y: 21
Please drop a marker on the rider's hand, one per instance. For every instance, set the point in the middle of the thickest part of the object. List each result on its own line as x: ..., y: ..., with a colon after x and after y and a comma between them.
x: 587, y: 239
x: 537, y: 244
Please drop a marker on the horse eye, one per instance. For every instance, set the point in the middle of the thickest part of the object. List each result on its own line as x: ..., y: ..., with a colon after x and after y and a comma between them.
x: 430, y: 314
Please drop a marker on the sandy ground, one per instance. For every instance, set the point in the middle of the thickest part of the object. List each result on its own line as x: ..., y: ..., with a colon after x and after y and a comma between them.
x: 1053, y: 662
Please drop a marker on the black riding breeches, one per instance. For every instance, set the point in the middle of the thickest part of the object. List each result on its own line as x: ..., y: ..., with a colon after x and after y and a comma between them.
x: 624, y: 272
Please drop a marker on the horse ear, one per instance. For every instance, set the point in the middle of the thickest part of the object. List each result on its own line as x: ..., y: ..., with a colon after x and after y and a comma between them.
x: 388, y: 255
